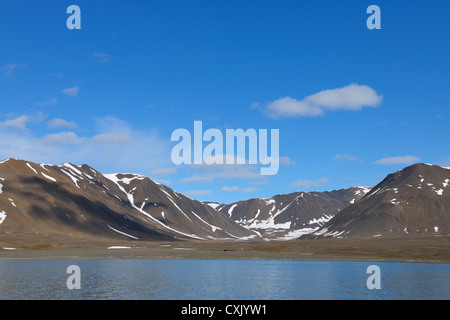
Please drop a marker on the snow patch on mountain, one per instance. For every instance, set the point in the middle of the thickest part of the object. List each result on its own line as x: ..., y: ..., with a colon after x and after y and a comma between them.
x: 2, y: 216
x: 125, y: 234
x: 113, y: 177
x: 75, y: 180
x: 12, y: 202
x: 363, y: 190
x: 296, y: 233
x: 42, y: 165
x: 321, y: 221
x: 213, y: 228
x: 72, y: 168
x: 119, y: 247
x: 213, y: 205
x: 48, y: 177
x: 29, y: 166
x: 230, y: 211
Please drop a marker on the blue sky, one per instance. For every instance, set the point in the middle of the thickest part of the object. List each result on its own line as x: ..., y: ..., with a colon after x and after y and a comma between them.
x: 111, y: 94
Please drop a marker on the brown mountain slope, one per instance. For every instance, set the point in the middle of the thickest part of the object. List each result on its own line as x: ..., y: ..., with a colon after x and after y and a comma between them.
x: 78, y: 201
x: 289, y: 215
x: 413, y: 200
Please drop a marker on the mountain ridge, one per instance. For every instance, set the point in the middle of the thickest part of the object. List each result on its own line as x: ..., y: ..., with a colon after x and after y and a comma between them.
x: 287, y: 216
x: 79, y: 201
x: 415, y: 199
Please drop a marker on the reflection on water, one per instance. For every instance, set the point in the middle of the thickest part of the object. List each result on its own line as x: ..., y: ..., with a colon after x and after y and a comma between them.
x: 220, y: 279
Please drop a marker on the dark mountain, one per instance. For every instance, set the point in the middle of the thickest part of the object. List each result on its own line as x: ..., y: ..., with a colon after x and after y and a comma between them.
x: 78, y: 201
x: 415, y: 200
x: 290, y: 215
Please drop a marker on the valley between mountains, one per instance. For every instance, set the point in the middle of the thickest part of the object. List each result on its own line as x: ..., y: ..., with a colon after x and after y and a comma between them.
x: 80, y: 210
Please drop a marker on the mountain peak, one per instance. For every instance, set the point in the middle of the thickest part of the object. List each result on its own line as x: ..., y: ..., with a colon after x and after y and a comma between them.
x: 415, y: 199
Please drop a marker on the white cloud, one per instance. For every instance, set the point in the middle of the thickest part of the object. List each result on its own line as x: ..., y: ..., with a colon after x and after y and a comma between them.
x: 19, y: 123
x: 72, y: 92
x: 256, y: 105
x: 214, y: 173
x: 230, y: 189
x: 195, y: 193
x: 145, y: 151
x: 445, y: 162
x: 229, y: 160
x: 163, y: 171
x: 352, y: 97
x: 64, y: 138
x: 231, y: 169
x: 286, y: 161
x: 101, y: 57
x: 288, y: 107
x: 346, y: 157
x: 113, y: 125
x: 61, y: 123
x: 197, y: 178
x: 163, y: 181
x: 126, y: 148
x: 264, y: 181
x: 112, y: 137
x: 397, y: 160
x: 11, y: 68
x: 49, y: 102
x: 309, y: 183
x: 235, y: 188
x: 239, y: 173
x: 20, y: 145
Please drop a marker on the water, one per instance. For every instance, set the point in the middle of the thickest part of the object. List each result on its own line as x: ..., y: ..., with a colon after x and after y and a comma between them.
x: 160, y: 279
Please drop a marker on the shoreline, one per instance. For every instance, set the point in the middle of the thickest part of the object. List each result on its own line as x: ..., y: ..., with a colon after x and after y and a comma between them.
x: 87, y: 254
x: 403, y: 249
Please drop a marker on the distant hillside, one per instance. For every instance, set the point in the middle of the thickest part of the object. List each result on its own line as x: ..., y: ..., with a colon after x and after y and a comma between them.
x: 290, y: 215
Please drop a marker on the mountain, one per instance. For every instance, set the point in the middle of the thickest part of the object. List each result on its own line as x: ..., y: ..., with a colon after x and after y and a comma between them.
x: 80, y: 202
x: 290, y: 215
x: 415, y: 200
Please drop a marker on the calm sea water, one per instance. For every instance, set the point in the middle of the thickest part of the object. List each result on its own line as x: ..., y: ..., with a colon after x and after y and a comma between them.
x: 220, y: 279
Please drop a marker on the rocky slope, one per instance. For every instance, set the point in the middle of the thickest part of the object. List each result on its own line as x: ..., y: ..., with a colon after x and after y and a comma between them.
x: 79, y: 201
x: 415, y: 200
x: 288, y: 216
